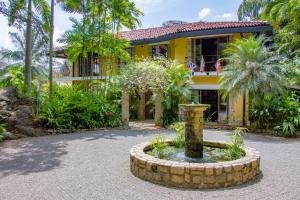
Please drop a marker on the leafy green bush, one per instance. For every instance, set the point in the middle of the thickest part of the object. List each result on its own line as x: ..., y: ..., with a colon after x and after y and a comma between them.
x: 15, y: 78
x: 160, y: 76
x: 73, y: 108
x: 2, y: 129
x: 235, y: 149
x: 177, y: 91
x: 279, y: 112
x: 179, y: 128
x: 158, y: 144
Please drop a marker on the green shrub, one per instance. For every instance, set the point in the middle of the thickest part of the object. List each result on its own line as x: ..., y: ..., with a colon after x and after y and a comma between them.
x: 158, y: 144
x: 73, y: 108
x: 179, y: 128
x: 15, y: 78
x: 279, y: 112
x: 236, y: 146
x: 177, y: 91
x: 2, y: 130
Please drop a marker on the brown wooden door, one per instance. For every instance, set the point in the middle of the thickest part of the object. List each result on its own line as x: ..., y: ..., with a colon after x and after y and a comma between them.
x: 210, y: 97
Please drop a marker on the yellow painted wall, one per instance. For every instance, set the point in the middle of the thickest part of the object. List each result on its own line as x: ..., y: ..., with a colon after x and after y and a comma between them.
x: 241, y: 35
x: 142, y: 51
x: 206, y: 80
x: 179, y: 50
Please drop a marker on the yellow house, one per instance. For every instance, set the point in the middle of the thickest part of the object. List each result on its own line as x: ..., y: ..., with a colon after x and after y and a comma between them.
x: 197, y: 45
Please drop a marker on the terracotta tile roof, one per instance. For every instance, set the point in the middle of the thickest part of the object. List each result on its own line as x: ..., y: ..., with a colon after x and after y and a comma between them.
x: 152, y: 33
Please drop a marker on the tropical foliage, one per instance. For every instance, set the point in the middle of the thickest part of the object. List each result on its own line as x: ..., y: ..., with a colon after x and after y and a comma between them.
x: 27, y: 9
x: 2, y: 130
x: 14, y: 77
x: 158, y: 144
x: 179, y: 140
x: 235, y: 148
x: 15, y: 58
x: 178, y: 91
x: 143, y: 76
x: 251, y: 9
x: 161, y: 76
x: 281, y: 113
x: 285, y: 17
x: 98, y: 30
x: 73, y: 108
x: 252, y: 67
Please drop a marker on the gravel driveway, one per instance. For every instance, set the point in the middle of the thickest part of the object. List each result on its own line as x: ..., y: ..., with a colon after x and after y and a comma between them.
x: 95, y: 165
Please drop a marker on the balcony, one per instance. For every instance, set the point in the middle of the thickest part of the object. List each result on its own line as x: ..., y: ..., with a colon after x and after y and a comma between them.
x: 208, y: 73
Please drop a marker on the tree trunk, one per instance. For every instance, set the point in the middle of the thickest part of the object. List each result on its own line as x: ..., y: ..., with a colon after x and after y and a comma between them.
x: 125, y: 108
x: 28, y: 53
x: 158, y: 110
x: 244, y: 109
x: 51, y: 50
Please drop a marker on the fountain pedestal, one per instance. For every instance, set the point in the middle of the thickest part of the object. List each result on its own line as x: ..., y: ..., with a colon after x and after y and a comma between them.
x: 194, y: 129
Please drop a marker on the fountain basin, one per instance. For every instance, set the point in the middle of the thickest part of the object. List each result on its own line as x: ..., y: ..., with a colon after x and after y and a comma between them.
x: 194, y: 175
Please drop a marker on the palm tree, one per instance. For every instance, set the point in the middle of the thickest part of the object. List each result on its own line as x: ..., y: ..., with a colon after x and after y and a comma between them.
x: 97, y: 31
x: 40, y: 7
x: 51, y: 49
x: 251, y: 9
x: 15, y: 58
x: 252, y: 67
x: 124, y: 13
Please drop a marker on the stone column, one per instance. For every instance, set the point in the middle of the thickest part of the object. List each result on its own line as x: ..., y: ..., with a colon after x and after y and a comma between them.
x: 194, y: 129
x: 231, y: 118
x: 158, y: 110
x: 125, y: 108
x: 141, y: 106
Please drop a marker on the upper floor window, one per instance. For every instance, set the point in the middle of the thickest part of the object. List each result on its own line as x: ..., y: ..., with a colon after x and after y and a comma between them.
x: 160, y: 50
x: 89, y: 66
x: 207, y: 52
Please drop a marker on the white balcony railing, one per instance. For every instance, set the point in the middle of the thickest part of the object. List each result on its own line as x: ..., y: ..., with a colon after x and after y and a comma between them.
x: 69, y: 78
x: 211, y: 73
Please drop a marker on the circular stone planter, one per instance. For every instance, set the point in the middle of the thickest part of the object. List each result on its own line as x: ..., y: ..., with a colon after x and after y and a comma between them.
x: 194, y: 175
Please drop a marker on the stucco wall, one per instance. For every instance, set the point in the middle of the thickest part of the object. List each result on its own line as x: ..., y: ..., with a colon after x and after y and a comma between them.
x: 180, y: 50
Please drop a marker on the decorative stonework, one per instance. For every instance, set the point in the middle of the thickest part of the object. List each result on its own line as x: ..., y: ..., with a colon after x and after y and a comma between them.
x: 194, y: 175
x: 194, y: 129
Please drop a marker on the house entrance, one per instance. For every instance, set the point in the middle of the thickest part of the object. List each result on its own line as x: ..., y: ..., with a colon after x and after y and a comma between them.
x: 210, y: 97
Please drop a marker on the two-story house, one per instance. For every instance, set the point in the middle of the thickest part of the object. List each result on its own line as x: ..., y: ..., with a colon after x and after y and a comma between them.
x: 197, y: 45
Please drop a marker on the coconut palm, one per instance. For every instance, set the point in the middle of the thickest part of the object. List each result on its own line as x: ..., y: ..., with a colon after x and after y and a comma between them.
x: 96, y: 31
x: 29, y: 7
x: 124, y: 13
x: 252, y: 67
x: 251, y: 9
x: 15, y: 58
x: 51, y: 49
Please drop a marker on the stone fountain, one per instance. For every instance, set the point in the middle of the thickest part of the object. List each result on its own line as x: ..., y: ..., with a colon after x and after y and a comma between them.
x: 194, y: 123
x: 194, y: 175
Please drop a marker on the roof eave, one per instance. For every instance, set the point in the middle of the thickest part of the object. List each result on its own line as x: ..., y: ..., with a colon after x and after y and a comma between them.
x: 253, y: 29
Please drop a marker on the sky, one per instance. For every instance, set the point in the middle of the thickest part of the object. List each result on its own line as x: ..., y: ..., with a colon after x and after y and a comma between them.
x: 155, y: 13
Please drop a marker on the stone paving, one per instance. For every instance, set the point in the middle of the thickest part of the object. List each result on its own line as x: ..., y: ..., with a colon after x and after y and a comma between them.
x: 95, y: 165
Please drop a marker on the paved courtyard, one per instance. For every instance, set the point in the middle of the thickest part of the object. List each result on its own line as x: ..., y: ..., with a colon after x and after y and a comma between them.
x: 95, y: 165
